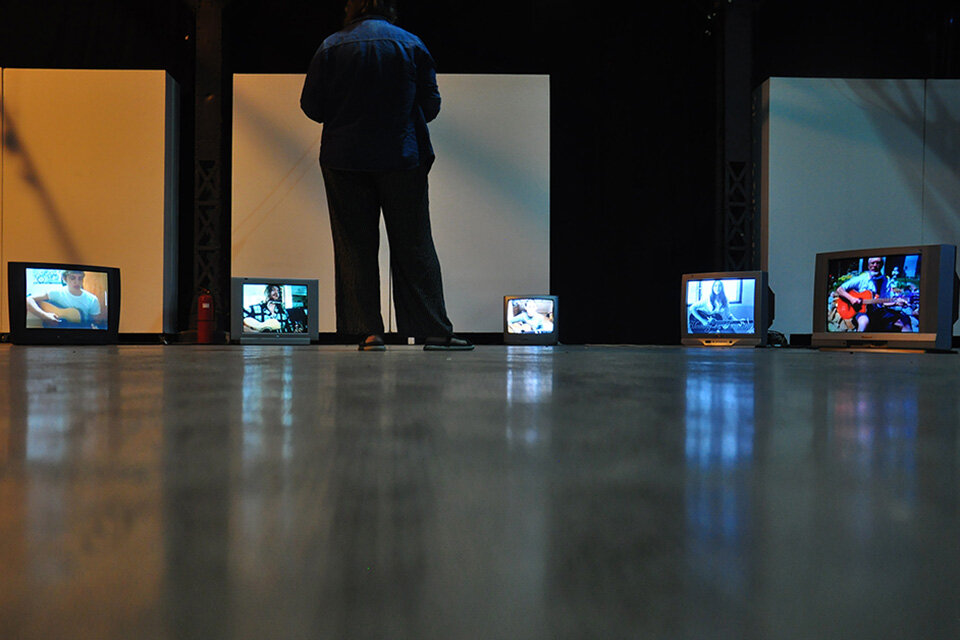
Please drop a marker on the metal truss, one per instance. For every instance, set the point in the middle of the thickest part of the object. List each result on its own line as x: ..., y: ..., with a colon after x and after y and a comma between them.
x: 211, y: 241
x: 738, y: 245
x: 207, y: 230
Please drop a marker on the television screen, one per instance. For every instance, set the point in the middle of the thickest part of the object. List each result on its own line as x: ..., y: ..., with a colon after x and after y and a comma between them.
x: 54, y: 303
x: 530, y: 319
x: 723, y: 306
x: 274, y: 310
x: 66, y: 299
x: 894, y: 297
x: 877, y: 293
x: 732, y: 308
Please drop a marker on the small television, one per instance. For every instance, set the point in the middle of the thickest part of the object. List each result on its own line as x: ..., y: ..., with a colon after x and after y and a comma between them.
x: 274, y: 310
x: 56, y: 303
x: 894, y: 297
x: 531, y: 319
x: 725, y: 309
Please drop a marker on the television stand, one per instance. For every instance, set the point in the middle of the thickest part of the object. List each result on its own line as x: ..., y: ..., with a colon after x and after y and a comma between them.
x: 883, y: 349
x: 722, y: 342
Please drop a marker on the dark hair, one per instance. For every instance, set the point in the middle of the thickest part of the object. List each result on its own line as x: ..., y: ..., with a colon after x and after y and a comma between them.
x: 719, y: 298
x: 357, y: 9
x: 271, y: 287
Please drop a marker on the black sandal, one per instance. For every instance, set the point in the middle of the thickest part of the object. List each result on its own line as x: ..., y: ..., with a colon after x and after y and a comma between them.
x: 449, y: 343
x: 373, y: 342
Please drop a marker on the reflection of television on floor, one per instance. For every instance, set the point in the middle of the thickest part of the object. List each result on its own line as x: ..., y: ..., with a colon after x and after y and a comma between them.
x: 274, y: 310
x: 895, y: 297
x: 531, y: 319
x: 725, y: 309
x: 56, y: 303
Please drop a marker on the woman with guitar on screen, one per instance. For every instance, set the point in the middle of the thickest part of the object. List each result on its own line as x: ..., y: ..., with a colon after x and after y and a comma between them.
x: 70, y: 306
x: 711, y: 314
x: 869, y: 299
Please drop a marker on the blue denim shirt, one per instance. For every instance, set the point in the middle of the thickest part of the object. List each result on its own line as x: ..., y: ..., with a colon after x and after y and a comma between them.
x: 374, y: 88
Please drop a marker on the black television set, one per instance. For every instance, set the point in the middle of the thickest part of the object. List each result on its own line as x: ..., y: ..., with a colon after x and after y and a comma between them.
x: 532, y: 319
x: 274, y: 310
x: 57, y: 303
x: 893, y: 297
x: 725, y: 309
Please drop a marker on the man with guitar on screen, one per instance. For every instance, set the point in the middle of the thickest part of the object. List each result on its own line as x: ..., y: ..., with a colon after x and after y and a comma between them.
x: 70, y: 306
x: 870, y: 300
x: 269, y: 316
x: 527, y: 318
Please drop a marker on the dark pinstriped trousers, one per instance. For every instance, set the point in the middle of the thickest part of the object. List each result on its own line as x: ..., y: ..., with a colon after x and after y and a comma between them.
x: 355, y: 200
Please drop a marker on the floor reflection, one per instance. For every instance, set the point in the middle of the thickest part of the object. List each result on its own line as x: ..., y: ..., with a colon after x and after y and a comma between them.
x: 295, y: 492
x: 720, y: 423
x: 871, y: 438
x: 719, y: 446
x: 267, y: 407
x: 78, y: 476
x: 846, y: 521
x: 201, y: 410
x: 522, y: 501
x: 529, y: 390
x: 372, y: 565
x: 13, y: 422
x: 874, y: 425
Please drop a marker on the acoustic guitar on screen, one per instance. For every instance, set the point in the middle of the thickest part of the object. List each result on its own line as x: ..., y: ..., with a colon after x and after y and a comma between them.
x: 68, y: 315
x: 718, y: 324
x: 847, y: 310
x: 270, y: 325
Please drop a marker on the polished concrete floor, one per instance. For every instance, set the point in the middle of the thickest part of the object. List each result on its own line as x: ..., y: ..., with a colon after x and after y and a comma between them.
x: 151, y: 492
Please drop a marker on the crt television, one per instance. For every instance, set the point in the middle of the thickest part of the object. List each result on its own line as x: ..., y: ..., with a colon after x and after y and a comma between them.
x: 725, y: 309
x: 57, y: 303
x: 894, y: 297
x: 274, y: 310
x: 532, y: 319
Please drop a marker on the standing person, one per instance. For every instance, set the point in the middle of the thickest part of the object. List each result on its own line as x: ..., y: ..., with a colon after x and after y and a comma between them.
x: 374, y: 88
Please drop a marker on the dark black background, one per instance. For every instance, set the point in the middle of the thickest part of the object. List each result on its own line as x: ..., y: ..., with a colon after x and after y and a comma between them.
x: 634, y: 104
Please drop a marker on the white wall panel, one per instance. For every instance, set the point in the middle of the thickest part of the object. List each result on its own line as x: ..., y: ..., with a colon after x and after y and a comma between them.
x: 941, y: 159
x: 89, y: 176
x: 489, y: 192
x: 280, y: 227
x: 851, y: 164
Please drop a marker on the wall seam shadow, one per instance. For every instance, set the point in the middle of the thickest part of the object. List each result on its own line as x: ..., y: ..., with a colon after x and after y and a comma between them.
x: 923, y: 164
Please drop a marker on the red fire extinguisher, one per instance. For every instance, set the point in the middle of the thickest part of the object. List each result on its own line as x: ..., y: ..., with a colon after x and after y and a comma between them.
x: 205, y: 318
